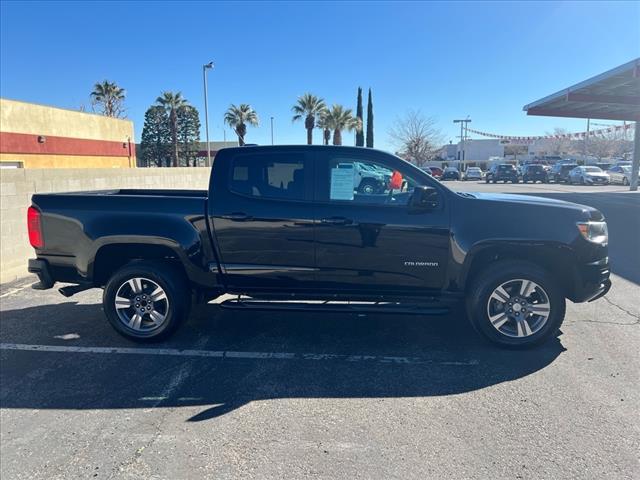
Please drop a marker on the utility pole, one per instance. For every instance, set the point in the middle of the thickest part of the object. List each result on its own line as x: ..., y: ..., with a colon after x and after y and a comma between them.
x: 635, y: 165
x: 206, y: 109
x: 586, y: 142
x: 271, y: 130
x: 463, y: 133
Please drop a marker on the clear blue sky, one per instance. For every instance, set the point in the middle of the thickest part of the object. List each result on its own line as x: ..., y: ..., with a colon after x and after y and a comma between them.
x: 483, y: 59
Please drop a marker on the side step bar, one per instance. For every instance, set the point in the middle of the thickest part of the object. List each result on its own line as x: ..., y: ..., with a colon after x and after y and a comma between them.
x: 71, y: 290
x: 339, y: 307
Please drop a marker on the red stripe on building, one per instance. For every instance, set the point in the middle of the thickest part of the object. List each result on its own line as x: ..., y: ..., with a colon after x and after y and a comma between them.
x: 50, y: 145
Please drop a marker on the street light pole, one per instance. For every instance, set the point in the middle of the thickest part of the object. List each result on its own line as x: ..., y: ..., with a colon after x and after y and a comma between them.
x: 206, y: 109
x: 271, y: 130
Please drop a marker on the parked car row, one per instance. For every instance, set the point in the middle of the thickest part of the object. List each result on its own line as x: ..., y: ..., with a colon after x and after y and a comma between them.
x: 563, y: 172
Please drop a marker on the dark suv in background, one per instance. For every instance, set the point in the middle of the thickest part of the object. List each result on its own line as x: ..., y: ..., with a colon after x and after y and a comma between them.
x: 534, y: 173
x: 560, y: 172
x: 503, y: 172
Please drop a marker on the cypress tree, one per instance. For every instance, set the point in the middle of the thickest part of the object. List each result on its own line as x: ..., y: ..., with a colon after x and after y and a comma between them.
x: 370, y: 121
x: 359, y: 133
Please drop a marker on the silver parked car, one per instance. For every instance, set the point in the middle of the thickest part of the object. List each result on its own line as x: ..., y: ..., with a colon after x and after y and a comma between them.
x: 620, y: 174
x: 586, y: 175
x: 473, y: 173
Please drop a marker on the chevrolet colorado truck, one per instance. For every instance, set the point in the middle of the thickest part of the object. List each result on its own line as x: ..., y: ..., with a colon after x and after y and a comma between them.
x: 286, y: 223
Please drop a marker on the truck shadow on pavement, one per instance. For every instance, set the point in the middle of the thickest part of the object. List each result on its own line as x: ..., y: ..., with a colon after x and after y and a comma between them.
x: 330, y: 356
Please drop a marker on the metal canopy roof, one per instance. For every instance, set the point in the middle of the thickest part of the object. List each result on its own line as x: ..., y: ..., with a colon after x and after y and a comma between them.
x: 612, y: 95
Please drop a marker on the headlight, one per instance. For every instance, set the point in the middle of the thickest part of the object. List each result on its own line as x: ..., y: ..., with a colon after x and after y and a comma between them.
x: 595, y: 232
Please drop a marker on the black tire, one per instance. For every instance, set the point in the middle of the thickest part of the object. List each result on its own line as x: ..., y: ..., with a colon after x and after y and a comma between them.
x: 368, y: 187
x: 479, y: 294
x: 171, y: 280
x: 486, y: 179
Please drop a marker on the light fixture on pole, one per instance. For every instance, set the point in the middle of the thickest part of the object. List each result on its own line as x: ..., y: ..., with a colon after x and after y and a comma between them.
x: 205, y: 67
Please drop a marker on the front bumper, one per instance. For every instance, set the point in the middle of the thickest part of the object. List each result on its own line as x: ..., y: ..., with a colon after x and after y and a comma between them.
x: 43, y: 271
x: 596, y: 180
x: 591, y: 282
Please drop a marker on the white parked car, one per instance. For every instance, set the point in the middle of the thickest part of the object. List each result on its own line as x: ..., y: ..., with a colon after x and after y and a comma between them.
x: 473, y: 173
x: 621, y: 174
x: 586, y: 175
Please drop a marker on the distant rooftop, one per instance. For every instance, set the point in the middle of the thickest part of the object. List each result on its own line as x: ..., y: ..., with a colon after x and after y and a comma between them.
x: 215, y: 146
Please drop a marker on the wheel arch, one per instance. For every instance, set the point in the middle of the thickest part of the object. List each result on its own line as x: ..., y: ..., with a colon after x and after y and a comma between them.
x: 110, y: 257
x: 554, y: 258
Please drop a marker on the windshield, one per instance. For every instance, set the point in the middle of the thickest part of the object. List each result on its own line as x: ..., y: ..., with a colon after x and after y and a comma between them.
x: 593, y: 169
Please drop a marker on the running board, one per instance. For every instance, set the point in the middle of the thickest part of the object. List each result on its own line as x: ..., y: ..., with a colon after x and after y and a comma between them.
x: 339, y: 307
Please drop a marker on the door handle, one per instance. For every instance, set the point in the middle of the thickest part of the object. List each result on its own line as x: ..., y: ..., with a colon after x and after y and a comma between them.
x: 336, y: 221
x: 237, y: 217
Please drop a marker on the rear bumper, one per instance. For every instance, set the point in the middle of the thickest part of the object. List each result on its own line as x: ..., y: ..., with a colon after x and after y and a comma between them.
x: 43, y: 271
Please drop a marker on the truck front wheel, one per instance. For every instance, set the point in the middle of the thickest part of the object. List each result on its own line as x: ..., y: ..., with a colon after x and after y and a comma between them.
x: 146, y: 301
x: 515, y: 304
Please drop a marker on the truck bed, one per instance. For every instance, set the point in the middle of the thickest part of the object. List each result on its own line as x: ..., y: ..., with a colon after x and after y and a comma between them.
x: 141, y: 192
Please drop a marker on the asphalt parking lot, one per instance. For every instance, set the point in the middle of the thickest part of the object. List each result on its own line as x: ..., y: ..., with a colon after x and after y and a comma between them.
x: 290, y: 395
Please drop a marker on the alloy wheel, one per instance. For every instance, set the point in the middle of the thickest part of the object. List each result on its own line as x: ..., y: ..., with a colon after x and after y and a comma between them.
x: 518, y: 308
x: 141, y: 304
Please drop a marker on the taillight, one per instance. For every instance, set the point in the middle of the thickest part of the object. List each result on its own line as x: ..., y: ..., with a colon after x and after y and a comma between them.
x: 34, y: 225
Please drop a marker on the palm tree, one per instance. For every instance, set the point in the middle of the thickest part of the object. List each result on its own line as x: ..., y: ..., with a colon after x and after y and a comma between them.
x: 339, y: 119
x: 323, y: 124
x: 110, y: 97
x: 238, y: 117
x: 309, y: 106
x: 171, y: 102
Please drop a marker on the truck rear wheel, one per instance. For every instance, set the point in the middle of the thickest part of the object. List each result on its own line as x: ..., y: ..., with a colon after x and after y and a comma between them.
x: 146, y: 301
x: 515, y: 304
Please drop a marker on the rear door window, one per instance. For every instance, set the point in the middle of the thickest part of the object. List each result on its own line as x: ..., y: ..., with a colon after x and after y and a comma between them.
x: 278, y: 176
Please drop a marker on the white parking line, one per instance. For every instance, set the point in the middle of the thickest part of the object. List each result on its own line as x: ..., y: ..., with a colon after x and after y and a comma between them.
x: 15, y: 290
x: 237, y: 355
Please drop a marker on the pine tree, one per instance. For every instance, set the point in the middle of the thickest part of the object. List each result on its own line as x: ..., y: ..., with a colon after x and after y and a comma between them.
x: 370, y: 121
x: 359, y: 133
x: 155, y: 145
x: 188, y: 127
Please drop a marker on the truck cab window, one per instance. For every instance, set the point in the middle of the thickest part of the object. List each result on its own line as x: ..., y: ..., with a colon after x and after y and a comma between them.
x: 271, y: 176
x: 357, y: 181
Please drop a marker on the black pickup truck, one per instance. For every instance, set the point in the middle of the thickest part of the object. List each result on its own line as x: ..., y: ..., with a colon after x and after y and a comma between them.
x: 289, y: 223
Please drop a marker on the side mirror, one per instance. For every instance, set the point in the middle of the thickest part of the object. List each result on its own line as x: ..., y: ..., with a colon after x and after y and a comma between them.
x: 424, y: 198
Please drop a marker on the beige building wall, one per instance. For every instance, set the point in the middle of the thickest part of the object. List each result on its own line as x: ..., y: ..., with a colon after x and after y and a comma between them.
x: 17, y: 186
x: 23, y: 117
x: 66, y: 161
x: 39, y: 136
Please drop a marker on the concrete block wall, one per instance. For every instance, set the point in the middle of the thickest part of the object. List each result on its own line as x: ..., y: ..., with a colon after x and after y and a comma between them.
x: 17, y: 186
